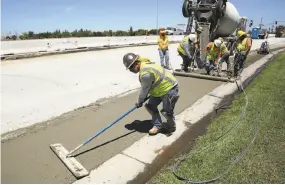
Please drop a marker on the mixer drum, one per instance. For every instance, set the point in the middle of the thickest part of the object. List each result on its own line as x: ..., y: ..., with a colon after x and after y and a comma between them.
x: 229, y: 22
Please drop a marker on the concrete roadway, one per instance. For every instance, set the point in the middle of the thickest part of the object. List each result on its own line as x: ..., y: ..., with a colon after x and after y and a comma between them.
x: 28, y: 158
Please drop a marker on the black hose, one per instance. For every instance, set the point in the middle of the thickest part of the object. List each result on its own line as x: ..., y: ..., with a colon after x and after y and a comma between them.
x: 236, y: 159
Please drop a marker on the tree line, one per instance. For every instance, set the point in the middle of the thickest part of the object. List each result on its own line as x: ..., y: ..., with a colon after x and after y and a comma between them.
x: 81, y: 33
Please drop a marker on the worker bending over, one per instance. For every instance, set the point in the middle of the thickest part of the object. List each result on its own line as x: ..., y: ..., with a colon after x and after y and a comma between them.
x: 162, y: 87
x: 186, y: 49
x: 243, y: 46
x: 163, y: 44
x: 217, y: 53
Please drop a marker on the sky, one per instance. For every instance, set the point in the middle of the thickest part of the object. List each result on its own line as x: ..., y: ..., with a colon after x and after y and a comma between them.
x: 98, y: 15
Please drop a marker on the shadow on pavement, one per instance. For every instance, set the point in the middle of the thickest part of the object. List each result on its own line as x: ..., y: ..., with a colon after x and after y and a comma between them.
x: 140, y: 126
x: 103, y: 144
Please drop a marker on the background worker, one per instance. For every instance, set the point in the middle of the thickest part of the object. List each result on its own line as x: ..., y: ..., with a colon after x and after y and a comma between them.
x: 186, y: 50
x: 163, y: 44
x: 216, y: 53
x: 162, y: 87
x: 243, y: 46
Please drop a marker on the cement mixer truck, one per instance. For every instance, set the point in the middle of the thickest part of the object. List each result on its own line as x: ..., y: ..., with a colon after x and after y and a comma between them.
x: 212, y: 19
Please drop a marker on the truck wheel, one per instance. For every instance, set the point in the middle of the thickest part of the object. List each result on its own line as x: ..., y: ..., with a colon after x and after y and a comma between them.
x: 220, y: 8
x: 185, y: 10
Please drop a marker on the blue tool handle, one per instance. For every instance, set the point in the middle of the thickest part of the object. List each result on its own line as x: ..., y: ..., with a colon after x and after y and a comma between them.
x: 104, y: 129
x: 111, y: 124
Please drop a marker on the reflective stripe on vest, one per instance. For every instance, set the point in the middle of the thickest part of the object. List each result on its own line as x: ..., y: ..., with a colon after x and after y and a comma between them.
x: 163, y: 82
x: 215, y: 53
x: 160, y: 75
x: 181, y: 47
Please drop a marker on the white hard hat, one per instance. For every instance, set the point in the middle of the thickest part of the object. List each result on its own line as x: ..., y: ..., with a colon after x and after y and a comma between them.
x: 192, y: 37
x: 217, y: 43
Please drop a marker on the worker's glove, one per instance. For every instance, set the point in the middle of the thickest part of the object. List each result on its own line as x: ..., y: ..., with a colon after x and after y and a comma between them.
x: 139, y: 104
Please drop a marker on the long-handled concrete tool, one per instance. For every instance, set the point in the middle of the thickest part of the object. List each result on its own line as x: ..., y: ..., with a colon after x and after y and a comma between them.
x: 71, y: 163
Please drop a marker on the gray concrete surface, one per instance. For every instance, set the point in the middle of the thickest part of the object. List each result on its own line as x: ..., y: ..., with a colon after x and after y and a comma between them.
x: 28, y: 158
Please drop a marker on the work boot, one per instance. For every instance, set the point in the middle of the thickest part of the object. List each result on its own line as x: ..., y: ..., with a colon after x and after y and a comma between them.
x: 185, y: 69
x: 155, y: 130
x: 169, y: 128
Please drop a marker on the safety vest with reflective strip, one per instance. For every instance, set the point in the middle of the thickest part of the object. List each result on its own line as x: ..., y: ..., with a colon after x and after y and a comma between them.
x: 181, y: 48
x: 163, y: 42
x: 164, y: 80
x: 244, y: 45
x: 215, y: 53
x: 143, y: 59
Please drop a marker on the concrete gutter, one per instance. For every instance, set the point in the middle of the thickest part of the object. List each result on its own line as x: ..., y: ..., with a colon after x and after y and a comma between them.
x: 138, y: 162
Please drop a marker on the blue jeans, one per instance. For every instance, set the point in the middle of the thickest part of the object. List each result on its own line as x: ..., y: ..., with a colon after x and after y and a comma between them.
x: 210, y: 65
x: 169, y: 100
x: 164, y: 54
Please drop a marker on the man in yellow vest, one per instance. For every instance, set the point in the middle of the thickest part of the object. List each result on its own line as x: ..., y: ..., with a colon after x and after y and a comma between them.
x: 243, y: 43
x: 186, y: 49
x: 162, y: 87
x: 163, y: 44
x: 216, y: 52
x: 243, y: 47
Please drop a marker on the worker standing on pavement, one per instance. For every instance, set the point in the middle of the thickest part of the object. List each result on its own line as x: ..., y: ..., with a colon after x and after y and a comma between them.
x: 162, y: 87
x: 186, y: 49
x: 243, y: 46
x: 163, y: 44
x: 216, y: 53
x: 243, y: 43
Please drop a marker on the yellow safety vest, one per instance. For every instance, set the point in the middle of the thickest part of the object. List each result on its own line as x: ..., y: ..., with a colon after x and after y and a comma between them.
x: 215, y: 53
x: 181, y: 48
x: 243, y: 45
x: 162, y: 42
x: 164, y: 80
x: 143, y: 59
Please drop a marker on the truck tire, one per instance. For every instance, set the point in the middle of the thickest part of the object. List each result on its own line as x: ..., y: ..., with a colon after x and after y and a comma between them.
x: 185, y: 10
x: 219, y: 8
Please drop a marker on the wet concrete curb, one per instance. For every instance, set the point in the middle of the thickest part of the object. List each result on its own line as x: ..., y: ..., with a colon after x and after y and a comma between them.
x: 143, y: 158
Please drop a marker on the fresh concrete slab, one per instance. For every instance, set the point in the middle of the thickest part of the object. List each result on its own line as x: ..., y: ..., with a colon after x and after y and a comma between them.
x: 38, y: 164
x: 75, y: 127
x: 38, y: 89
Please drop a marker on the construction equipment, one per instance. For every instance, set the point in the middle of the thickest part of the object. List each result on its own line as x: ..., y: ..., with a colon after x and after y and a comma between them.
x: 69, y: 160
x: 216, y: 18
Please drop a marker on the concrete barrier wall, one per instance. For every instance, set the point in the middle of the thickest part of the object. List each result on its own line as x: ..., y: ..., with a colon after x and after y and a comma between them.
x: 26, y: 46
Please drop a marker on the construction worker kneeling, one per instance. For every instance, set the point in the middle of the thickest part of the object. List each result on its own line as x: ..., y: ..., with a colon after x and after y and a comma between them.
x: 186, y: 49
x: 217, y: 53
x: 162, y: 87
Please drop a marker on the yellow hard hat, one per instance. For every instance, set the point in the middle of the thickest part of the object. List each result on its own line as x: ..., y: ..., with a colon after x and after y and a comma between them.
x: 240, y: 33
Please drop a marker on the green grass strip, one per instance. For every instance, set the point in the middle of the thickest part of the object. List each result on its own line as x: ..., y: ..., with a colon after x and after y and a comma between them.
x: 265, y: 161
